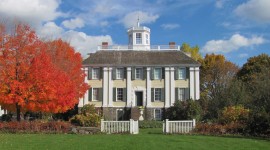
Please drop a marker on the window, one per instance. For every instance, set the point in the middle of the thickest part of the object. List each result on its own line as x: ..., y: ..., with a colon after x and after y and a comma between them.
x: 147, y: 38
x: 119, y: 94
x: 119, y: 73
x: 119, y: 114
x: 181, y: 94
x: 157, y: 73
x: 157, y: 114
x: 130, y: 39
x: 95, y: 73
x: 95, y: 94
x: 157, y: 94
x: 138, y: 38
x: 138, y: 73
x: 182, y: 73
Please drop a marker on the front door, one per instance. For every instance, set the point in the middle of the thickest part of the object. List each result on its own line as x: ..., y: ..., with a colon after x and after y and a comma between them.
x: 139, y: 98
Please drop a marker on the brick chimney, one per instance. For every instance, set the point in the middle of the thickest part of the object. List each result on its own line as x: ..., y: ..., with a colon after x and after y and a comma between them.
x: 172, y: 45
x: 104, y: 45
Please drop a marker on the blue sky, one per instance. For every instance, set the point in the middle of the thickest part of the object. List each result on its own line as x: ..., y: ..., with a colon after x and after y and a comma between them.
x: 238, y: 29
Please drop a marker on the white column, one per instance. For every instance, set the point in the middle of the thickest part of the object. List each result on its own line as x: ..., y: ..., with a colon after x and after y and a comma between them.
x: 128, y: 87
x: 191, y: 83
x: 105, y: 87
x: 197, y: 83
x: 86, y: 99
x: 172, y: 86
x: 110, y: 88
x: 148, y: 87
x: 167, y: 87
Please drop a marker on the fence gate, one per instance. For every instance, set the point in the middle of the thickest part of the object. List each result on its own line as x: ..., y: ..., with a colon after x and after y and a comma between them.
x: 130, y: 126
x: 184, y: 126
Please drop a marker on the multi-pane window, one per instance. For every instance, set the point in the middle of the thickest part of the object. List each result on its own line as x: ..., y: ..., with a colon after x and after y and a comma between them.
x: 119, y: 73
x: 119, y: 114
x: 158, y: 114
x: 147, y: 38
x: 139, y: 73
x: 95, y: 94
x: 182, y: 73
x: 157, y: 94
x: 181, y: 94
x: 119, y: 94
x: 138, y: 38
x: 157, y: 73
x: 95, y: 73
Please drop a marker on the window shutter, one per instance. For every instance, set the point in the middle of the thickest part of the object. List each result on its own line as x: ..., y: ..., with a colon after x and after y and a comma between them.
x: 152, y: 73
x: 186, y: 93
x: 100, y: 94
x: 144, y: 73
x: 152, y: 94
x: 90, y: 94
x: 163, y: 73
x: 124, y: 73
x: 176, y: 94
x: 100, y: 73
x: 124, y: 94
x: 89, y: 73
x: 176, y: 73
x: 133, y: 72
x: 114, y: 73
x: 187, y: 73
x: 114, y: 94
x: 163, y: 94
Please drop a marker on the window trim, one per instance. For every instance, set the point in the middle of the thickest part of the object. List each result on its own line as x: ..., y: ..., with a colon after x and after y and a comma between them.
x: 97, y: 73
x: 184, y: 94
x: 160, y: 73
x: 160, y: 94
x: 116, y: 99
x: 120, y: 109
x: 160, y: 113
x: 96, y: 95
x: 184, y: 74
x: 138, y: 39
x: 141, y: 73
x: 121, y: 74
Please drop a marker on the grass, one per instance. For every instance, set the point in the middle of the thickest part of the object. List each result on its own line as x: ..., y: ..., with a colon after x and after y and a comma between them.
x: 147, y: 139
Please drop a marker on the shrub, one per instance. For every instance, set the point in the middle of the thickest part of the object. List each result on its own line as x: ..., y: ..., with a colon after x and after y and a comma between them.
x: 259, y: 124
x: 87, y: 118
x: 150, y: 124
x: 233, y: 114
x: 35, y: 127
x: 219, y: 129
x: 6, y: 117
x: 184, y: 110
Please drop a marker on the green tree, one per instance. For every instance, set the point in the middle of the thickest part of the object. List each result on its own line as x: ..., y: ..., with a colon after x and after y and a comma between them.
x: 194, y: 51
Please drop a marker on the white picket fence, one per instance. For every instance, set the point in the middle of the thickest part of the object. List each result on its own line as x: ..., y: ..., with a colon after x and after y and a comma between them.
x: 173, y: 127
x: 130, y: 126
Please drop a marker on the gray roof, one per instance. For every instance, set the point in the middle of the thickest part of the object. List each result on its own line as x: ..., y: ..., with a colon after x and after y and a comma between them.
x: 139, y: 58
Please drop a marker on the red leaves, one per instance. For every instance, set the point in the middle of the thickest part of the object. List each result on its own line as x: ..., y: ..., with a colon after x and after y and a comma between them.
x: 39, y: 76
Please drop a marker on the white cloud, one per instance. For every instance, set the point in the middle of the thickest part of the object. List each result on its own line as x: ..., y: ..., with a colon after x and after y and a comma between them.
x: 84, y: 43
x: 170, y: 26
x: 50, y: 31
x: 33, y: 12
x: 243, y: 55
x: 234, y: 43
x: 73, y: 23
x: 219, y: 4
x: 256, y: 10
x: 130, y: 19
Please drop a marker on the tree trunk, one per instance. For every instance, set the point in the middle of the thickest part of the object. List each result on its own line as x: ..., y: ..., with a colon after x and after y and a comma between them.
x: 18, y: 110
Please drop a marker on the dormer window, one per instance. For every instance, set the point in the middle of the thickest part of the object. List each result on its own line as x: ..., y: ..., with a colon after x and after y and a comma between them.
x: 138, y: 38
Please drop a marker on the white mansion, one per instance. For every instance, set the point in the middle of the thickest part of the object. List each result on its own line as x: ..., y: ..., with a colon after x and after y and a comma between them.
x: 122, y: 78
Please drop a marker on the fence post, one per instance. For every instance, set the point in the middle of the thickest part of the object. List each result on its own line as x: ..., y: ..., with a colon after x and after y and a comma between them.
x: 131, y: 126
x: 167, y: 126
x: 102, y: 125
x: 193, y: 123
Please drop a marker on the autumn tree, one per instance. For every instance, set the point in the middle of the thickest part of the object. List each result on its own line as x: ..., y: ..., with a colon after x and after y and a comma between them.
x: 30, y: 77
x: 194, y: 51
x: 216, y: 76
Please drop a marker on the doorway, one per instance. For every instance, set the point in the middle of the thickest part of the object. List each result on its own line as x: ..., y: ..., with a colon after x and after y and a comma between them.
x: 139, y: 98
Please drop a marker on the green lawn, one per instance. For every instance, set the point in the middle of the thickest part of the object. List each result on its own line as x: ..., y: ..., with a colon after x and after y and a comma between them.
x: 147, y: 139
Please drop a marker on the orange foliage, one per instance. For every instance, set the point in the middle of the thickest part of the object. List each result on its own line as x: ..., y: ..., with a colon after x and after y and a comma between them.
x: 38, y: 76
